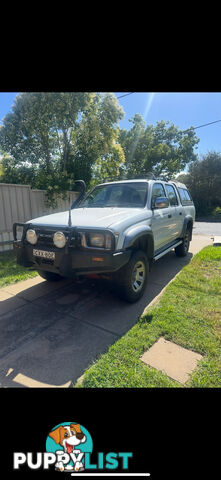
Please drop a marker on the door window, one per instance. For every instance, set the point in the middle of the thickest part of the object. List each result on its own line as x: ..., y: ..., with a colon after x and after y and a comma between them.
x: 171, y: 195
x: 157, y: 191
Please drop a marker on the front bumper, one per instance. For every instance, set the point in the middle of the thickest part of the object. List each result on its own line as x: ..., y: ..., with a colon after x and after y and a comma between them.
x: 73, y: 262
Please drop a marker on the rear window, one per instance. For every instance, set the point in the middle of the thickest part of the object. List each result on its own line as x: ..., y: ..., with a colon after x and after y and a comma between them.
x: 185, y: 196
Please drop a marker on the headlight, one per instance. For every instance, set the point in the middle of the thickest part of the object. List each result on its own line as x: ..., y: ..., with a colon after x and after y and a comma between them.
x: 97, y: 240
x: 31, y: 236
x: 59, y: 239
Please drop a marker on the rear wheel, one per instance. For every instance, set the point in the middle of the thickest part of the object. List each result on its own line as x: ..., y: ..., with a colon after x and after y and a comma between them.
x: 182, y: 249
x: 50, y: 276
x: 132, y: 278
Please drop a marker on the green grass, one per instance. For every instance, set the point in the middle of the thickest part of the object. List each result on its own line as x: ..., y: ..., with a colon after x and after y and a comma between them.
x: 189, y: 314
x: 10, y: 271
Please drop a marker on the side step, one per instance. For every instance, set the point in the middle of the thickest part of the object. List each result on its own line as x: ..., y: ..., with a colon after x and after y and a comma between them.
x: 166, y: 251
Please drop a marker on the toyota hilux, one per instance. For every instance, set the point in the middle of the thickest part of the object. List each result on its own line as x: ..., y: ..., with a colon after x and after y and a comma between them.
x: 117, y: 230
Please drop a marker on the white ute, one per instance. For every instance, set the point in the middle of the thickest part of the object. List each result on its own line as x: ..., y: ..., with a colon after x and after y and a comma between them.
x: 117, y: 230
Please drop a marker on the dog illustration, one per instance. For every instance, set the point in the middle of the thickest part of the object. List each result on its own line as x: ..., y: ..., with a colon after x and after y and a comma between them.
x: 69, y: 437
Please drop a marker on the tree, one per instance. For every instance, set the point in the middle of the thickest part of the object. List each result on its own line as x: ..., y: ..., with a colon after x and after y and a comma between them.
x: 30, y: 132
x: 1, y: 170
x: 96, y: 152
x: 110, y: 165
x: 204, y: 182
x: 50, y: 139
x: 36, y: 135
x: 163, y: 149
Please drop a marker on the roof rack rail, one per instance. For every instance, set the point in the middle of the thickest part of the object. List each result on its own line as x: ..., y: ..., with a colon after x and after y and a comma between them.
x: 162, y: 177
x: 143, y: 175
x: 112, y: 179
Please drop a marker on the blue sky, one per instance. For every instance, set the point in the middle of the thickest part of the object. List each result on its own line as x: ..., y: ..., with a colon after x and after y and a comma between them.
x: 184, y: 110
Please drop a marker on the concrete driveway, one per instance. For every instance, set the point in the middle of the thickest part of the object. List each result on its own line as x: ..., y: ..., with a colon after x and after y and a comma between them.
x: 51, y: 333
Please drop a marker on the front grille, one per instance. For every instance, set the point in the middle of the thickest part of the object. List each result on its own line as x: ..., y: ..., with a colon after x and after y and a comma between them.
x: 45, y: 239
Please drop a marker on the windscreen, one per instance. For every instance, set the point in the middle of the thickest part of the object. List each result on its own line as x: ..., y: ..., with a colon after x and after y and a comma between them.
x: 126, y: 195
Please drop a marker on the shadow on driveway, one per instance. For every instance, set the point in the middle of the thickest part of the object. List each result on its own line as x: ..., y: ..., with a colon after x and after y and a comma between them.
x: 51, y: 333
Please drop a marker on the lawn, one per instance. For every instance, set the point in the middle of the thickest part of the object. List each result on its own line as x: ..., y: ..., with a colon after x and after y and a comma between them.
x: 10, y: 271
x: 189, y: 314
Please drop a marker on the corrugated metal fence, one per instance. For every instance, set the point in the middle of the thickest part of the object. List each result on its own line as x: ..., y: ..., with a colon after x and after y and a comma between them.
x: 19, y: 203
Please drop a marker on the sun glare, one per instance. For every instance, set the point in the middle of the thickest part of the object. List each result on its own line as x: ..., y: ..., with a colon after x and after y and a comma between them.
x: 148, y: 105
x: 146, y: 111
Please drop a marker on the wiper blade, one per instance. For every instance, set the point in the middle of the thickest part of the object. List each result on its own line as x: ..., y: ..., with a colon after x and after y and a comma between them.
x: 93, y: 206
x: 113, y: 206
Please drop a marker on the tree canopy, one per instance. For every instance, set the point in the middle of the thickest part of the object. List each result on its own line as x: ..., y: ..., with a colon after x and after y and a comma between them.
x: 204, y: 182
x: 50, y: 139
x: 161, y: 149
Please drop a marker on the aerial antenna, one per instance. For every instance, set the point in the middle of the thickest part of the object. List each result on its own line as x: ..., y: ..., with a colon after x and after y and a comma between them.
x: 69, y: 215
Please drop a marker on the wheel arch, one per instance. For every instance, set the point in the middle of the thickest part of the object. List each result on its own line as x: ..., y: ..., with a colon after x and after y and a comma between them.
x: 140, y: 238
x: 187, y: 225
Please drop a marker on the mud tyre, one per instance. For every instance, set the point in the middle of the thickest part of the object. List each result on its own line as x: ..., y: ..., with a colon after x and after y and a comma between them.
x: 131, y: 280
x: 182, y: 249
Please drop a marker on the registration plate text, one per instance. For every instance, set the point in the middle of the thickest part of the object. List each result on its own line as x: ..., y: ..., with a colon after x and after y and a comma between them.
x: 44, y: 254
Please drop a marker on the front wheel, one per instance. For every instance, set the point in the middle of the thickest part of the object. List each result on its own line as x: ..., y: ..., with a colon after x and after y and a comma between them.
x: 132, y: 278
x: 50, y: 276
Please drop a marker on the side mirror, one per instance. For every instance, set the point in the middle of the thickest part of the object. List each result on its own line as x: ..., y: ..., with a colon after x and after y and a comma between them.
x: 161, y: 202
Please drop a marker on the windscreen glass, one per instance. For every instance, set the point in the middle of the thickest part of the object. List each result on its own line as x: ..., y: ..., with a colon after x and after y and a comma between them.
x: 126, y: 195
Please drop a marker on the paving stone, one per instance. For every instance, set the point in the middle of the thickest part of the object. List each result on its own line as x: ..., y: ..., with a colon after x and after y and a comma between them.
x: 31, y: 383
x: 18, y: 287
x: 68, y: 299
x: 199, y: 242
x: 56, y: 355
x: 100, y: 306
x: 23, y: 325
x: 9, y: 303
x: 4, y: 295
x: 34, y: 288
x: 177, y: 362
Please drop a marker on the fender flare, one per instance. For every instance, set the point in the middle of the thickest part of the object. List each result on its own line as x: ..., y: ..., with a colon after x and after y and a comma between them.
x: 187, y: 219
x: 137, y: 232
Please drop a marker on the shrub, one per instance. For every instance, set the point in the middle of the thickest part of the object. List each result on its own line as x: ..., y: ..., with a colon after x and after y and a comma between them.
x: 217, y: 212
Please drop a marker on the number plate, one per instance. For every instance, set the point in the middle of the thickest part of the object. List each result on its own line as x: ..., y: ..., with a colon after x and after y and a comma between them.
x: 44, y: 254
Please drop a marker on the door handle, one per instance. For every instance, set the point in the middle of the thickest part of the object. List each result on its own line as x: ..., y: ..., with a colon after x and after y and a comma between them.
x: 169, y: 216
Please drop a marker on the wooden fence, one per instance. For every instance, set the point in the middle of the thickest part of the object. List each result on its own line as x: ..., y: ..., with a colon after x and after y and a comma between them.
x: 19, y: 203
